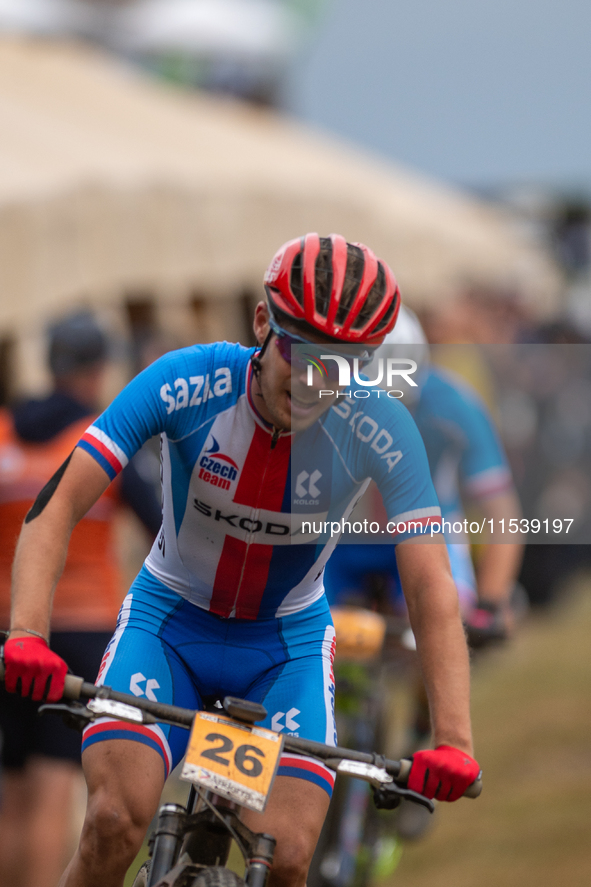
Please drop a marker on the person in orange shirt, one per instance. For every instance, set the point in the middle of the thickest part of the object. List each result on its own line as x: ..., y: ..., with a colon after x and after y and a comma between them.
x: 40, y: 756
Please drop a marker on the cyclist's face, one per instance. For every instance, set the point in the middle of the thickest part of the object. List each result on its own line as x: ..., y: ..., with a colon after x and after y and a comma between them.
x: 285, y: 397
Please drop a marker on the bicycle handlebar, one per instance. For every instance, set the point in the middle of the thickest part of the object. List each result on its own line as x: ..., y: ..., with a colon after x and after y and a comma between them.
x: 77, y: 688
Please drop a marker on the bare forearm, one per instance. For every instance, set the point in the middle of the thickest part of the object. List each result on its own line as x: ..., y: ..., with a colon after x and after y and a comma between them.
x: 498, y: 563
x: 434, y: 613
x: 497, y: 571
x: 43, y: 543
x: 38, y: 564
x: 445, y: 667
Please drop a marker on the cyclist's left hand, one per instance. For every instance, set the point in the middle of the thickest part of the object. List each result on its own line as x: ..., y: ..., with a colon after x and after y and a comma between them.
x: 443, y: 773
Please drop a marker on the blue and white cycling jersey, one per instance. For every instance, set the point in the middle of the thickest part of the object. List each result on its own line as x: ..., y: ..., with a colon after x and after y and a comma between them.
x: 464, y: 452
x: 235, y: 499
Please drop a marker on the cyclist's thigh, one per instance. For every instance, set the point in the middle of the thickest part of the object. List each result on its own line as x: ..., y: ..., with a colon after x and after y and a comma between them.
x: 124, y: 777
x: 139, y: 662
x: 299, y: 693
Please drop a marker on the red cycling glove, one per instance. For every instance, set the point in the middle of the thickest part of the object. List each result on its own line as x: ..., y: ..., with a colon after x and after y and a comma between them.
x: 443, y: 773
x: 31, y: 660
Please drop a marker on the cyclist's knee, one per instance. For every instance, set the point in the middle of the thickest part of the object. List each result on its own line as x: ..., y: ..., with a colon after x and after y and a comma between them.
x: 124, y: 782
x: 292, y: 861
x: 114, y: 827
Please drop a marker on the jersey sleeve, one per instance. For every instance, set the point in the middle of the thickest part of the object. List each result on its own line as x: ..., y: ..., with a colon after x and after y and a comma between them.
x: 484, y: 471
x: 155, y: 401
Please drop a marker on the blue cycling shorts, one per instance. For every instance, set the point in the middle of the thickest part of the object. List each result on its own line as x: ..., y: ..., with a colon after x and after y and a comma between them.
x: 167, y: 649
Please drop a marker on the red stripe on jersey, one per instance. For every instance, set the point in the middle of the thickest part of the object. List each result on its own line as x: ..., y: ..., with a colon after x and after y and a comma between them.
x: 243, y: 568
x: 265, y: 472
x: 227, y: 576
x: 240, y: 579
x: 254, y: 581
x: 102, y: 449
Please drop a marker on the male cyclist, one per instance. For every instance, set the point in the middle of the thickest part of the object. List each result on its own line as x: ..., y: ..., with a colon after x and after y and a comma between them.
x: 230, y: 599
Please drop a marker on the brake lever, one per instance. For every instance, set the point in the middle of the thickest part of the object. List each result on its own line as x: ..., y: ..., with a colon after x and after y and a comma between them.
x: 73, y: 714
x: 388, y: 797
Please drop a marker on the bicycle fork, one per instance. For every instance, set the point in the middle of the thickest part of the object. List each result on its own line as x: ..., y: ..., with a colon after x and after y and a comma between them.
x: 204, y: 837
x: 166, y: 841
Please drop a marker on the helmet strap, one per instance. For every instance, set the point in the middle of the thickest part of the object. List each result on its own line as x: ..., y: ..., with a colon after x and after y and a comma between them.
x: 255, y: 360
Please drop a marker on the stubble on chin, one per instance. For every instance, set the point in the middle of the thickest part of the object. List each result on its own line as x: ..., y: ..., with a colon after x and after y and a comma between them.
x: 279, y: 413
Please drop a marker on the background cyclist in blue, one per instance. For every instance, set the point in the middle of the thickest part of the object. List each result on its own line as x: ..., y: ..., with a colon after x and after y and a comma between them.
x: 467, y: 460
x: 231, y: 598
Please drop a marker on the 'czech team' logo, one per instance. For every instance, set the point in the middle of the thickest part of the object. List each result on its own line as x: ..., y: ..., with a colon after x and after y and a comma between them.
x: 216, y: 468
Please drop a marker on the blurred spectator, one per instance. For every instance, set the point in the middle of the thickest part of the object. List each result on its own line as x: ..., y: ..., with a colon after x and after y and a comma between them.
x: 572, y: 237
x: 40, y: 756
x: 545, y: 408
x: 476, y: 314
x: 540, y: 391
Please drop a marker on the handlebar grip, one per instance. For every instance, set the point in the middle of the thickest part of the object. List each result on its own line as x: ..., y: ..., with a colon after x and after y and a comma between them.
x: 72, y: 685
x: 473, y: 791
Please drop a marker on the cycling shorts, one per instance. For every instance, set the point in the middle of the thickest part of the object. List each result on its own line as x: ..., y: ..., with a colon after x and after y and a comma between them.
x: 167, y: 649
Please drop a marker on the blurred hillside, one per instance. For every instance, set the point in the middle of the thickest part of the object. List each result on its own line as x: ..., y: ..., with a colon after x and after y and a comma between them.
x: 532, y: 723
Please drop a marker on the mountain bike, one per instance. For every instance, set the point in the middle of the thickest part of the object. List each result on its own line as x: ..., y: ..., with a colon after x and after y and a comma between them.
x: 230, y: 763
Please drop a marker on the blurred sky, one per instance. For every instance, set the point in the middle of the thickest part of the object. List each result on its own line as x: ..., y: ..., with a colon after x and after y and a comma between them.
x: 485, y: 93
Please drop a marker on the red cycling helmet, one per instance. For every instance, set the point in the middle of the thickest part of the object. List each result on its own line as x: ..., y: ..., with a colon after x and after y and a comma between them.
x: 340, y: 289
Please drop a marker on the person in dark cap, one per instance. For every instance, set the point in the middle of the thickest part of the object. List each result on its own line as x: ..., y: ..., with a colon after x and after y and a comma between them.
x: 40, y: 756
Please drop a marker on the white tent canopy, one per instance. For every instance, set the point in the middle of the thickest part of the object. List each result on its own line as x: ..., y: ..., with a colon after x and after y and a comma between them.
x: 110, y: 182
x: 241, y: 28
x: 47, y: 17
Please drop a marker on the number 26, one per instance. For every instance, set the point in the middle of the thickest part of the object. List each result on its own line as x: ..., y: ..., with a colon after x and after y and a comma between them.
x: 244, y: 761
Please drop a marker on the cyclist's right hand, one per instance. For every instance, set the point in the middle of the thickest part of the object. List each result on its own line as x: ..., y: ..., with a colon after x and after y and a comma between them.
x: 39, y: 670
